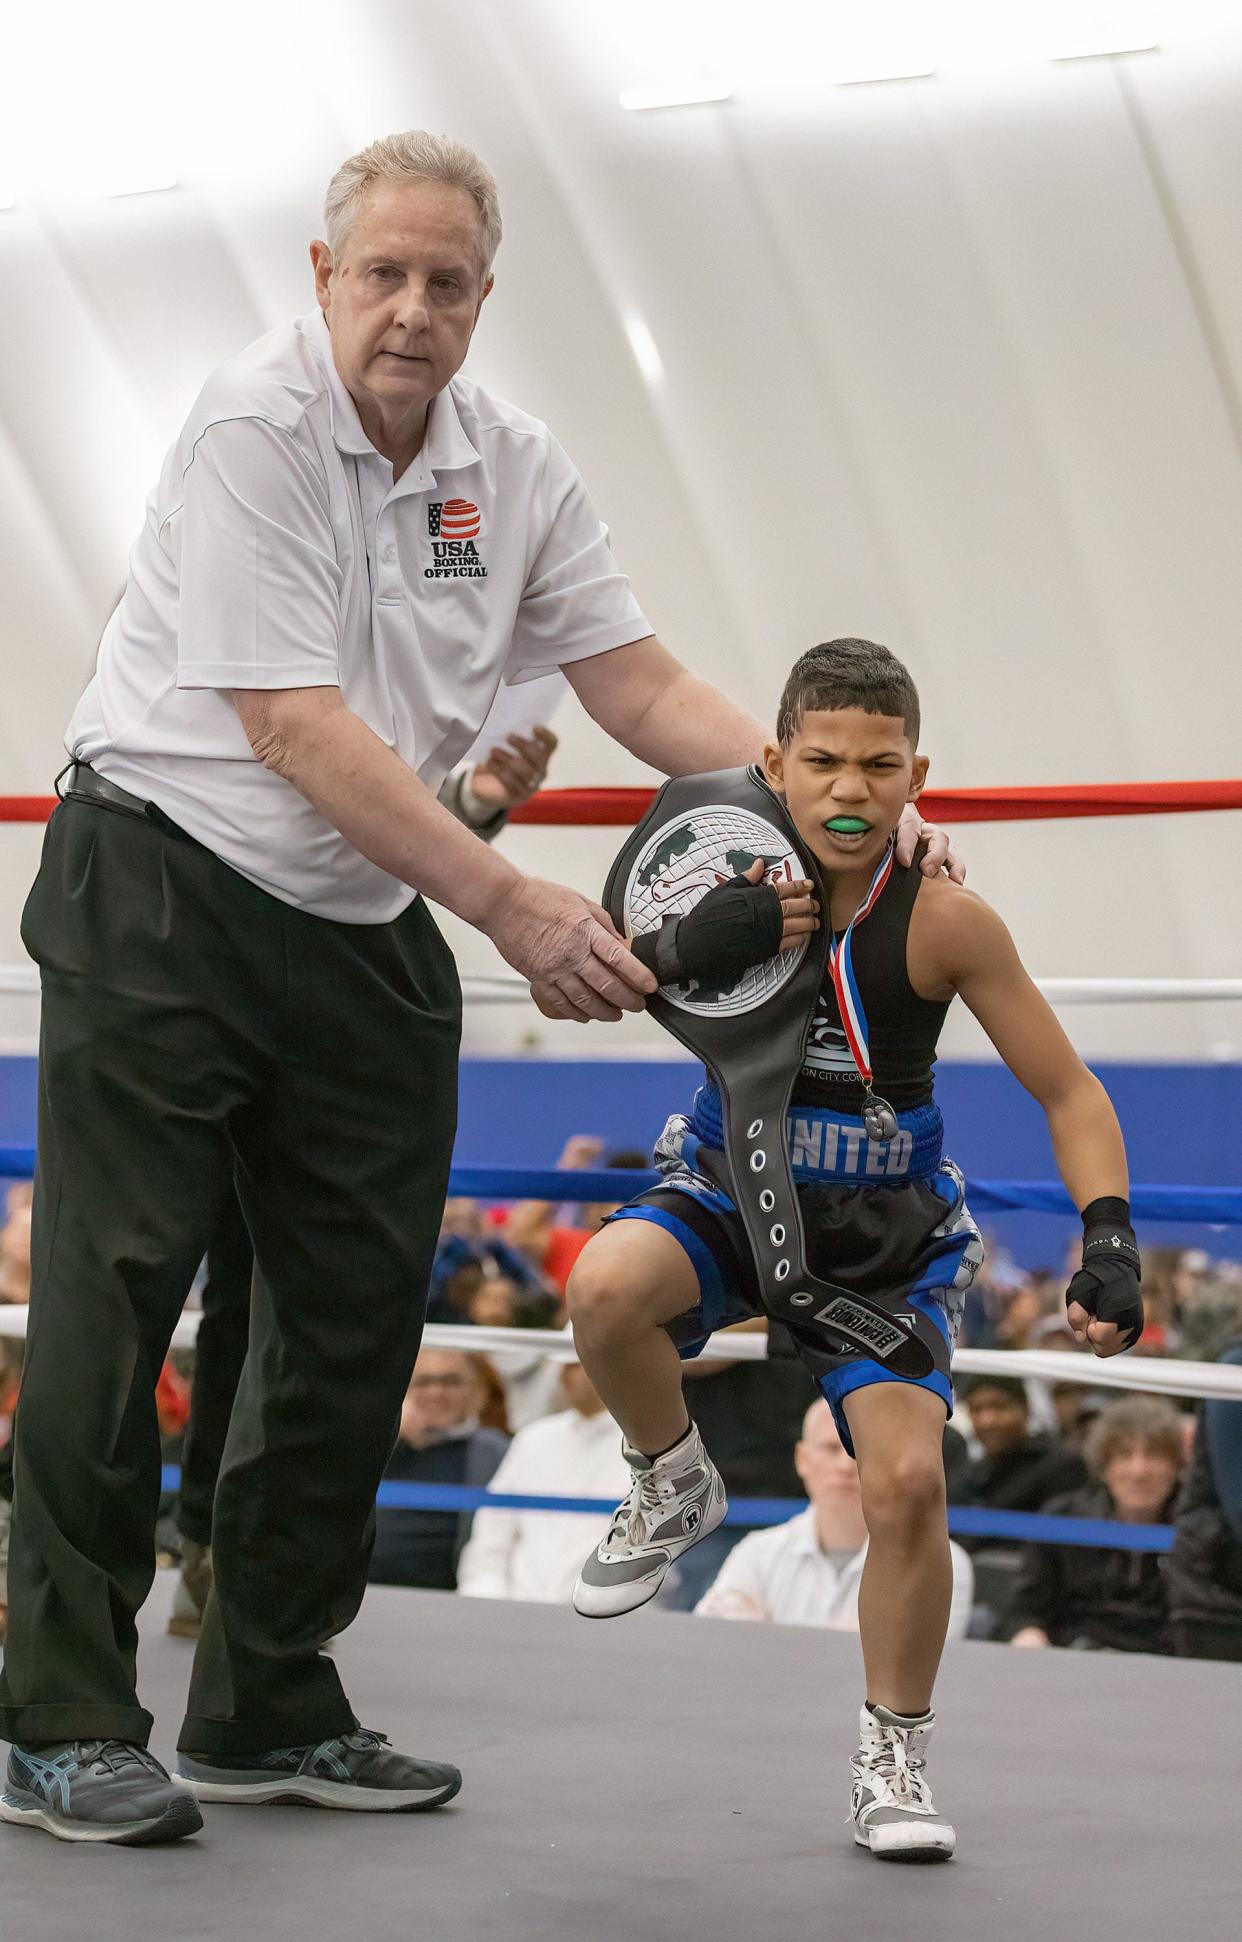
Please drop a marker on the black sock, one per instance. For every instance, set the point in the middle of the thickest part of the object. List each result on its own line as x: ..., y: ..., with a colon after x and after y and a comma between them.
x: 904, y: 1719
x: 654, y: 1456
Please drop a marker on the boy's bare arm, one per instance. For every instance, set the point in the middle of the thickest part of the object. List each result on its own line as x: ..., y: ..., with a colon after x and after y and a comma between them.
x: 975, y: 956
x: 982, y: 965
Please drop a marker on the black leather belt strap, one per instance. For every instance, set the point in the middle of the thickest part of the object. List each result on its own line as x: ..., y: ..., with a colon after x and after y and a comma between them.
x: 87, y: 785
x: 699, y: 831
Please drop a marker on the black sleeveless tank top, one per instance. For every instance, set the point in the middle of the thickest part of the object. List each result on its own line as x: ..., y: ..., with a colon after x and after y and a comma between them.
x: 903, y: 1028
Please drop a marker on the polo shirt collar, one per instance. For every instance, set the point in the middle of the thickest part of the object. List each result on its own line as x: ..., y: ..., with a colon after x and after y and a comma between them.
x: 445, y: 444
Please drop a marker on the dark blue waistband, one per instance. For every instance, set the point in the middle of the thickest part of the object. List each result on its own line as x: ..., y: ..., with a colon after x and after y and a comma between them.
x: 825, y: 1145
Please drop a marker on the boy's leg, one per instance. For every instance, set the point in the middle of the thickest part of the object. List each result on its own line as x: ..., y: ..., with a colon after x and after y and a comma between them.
x: 903, y: 1611
x: 631, y: 1280
x: 907, y: 1584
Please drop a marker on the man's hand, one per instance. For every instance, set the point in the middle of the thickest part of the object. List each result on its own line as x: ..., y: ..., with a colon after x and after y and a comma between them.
x: 911, y: 831
x: 1031, y: 1635
x: 511, y: 774
x: 566, y: 945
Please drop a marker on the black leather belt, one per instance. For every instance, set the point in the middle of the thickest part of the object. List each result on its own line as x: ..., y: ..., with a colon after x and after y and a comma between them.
x: 752, y: 1034
x: 87, y: 785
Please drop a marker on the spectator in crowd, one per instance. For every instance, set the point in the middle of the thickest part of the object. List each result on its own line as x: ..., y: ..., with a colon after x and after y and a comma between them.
x: 552, y: 1236
x: 1017, y: 1469
x: 536, y: 1554
x: 1065, y: 1409
x: 808, y: 1571
x: 463, y: 1263
x: 1088, y: 1596
x: 441, y: 1440
x: 749, y: 1415
x: 1205, y: 1566
x: 15, y: 1244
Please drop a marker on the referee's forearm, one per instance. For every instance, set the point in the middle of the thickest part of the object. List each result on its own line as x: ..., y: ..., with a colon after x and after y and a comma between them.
x: 379, y: 805
x: 691, y: 727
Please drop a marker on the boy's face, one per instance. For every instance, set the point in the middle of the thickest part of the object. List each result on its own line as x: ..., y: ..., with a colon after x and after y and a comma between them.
x: 846, y: 777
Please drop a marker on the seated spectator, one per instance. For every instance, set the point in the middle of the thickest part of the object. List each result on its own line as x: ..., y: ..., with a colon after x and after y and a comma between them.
x: 807, y: 1572
x: 461, y: 1266
x: 749, y: 1415
x: 1067, y: 1409
x: 1205, y: 1565
x: 552, y: 1236
x: 440, y: 1440
x: 1109, y: 1600
x: 1016, y: 1470
x: 537, y: 1554
x: 15, y: 1244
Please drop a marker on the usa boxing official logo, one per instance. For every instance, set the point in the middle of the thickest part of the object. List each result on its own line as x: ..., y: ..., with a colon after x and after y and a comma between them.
x: 453, y: 526
x: 684, y: 859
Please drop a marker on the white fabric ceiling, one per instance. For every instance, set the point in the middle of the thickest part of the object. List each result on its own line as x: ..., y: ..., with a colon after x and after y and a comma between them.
x: 953, y: 362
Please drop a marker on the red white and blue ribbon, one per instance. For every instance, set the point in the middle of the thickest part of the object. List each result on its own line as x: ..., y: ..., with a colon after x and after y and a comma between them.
x: 845, y: 983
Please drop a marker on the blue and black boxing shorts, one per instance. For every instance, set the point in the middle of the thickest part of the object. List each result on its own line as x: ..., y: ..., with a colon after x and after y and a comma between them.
x: 907, y: 1243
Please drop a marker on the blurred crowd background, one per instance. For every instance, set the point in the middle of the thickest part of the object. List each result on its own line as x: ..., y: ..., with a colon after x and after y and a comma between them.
x: 519, y: 1422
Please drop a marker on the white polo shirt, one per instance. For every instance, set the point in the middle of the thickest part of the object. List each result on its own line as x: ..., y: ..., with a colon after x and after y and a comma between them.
x: 781, y: 1574
x: 278, y: 553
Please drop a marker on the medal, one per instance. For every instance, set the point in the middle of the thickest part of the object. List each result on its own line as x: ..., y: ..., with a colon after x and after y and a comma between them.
x: 878, y: 1118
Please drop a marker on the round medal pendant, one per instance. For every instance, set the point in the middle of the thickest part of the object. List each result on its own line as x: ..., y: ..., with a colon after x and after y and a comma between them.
x: 879, y: 1120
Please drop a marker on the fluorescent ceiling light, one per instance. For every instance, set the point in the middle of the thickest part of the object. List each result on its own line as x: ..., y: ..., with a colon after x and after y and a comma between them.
x: 140, y: 179
x: 915, y: 68
x: 674, y: 94
x: 1105, y: 44
x: 646, y: 350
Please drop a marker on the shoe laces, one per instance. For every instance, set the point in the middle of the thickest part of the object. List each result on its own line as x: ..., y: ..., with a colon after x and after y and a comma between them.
x: 113, y: 1756
x: 900, y: 1768
x: 363, y: 1740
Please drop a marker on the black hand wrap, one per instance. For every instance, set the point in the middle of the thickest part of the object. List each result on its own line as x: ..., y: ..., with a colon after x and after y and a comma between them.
x: 1107, y: 1284
x: 734, y: 926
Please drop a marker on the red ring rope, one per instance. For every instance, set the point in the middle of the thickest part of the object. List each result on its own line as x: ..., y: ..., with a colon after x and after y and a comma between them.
x: 621, y: 808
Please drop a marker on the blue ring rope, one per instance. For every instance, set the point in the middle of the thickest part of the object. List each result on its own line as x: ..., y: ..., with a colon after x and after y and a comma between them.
x: 1216, y: 1206
x: 751, y: 1513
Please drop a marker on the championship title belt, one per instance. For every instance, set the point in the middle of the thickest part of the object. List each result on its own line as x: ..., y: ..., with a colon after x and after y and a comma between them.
x: 751, y: 1033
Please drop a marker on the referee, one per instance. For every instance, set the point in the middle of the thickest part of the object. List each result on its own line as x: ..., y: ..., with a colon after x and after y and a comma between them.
x: 349, y: 549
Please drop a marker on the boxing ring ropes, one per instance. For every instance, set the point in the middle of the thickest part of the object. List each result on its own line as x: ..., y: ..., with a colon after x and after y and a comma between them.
x: 619, y: 808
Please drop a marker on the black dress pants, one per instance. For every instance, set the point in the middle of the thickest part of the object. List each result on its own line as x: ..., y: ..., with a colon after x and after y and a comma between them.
x: 196, y: 1029
x: 219, y: 1358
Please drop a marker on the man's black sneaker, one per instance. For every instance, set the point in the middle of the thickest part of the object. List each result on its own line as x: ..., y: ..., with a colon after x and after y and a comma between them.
x: 359, y: 1771
x: 97, y: 1790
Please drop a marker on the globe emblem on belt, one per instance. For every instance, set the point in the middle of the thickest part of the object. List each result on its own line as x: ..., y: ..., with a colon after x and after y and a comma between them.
x: 684, y: 859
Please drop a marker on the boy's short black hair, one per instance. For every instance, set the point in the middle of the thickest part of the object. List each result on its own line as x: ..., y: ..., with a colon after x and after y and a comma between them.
x: 848, y: 674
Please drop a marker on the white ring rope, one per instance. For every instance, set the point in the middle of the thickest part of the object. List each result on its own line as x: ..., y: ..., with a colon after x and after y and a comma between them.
x: 1147, y: 1373
x: 507, y: 988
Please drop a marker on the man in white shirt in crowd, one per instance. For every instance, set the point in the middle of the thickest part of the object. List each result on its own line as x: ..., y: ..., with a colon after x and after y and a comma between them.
x: 537, y: 1554
x: 807, y: 1572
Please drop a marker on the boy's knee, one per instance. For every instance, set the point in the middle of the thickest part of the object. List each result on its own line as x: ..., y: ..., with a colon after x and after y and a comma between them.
x: 905, y: 1492
x: 593, y: 1295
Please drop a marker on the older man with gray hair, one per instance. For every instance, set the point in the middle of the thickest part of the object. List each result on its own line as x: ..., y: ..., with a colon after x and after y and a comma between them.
x: 349, y: 549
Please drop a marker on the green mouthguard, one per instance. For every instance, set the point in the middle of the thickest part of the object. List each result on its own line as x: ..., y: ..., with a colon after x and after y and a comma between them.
x: 847, y: 825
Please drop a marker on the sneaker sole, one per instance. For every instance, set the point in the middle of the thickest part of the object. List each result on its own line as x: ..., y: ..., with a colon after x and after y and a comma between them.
x: 180, y: 1818
x: 646, y: 1588
x: 912, y: 1843
x: 310, y: 1792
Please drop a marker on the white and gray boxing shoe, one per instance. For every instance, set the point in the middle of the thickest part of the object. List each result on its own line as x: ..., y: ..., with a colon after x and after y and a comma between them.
x: 891, y: 1805
x: 673, y: 1502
